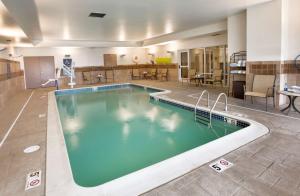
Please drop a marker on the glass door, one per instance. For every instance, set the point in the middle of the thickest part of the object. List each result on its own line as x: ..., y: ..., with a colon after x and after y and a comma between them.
x: 197, y: 60
x: 184, y: 62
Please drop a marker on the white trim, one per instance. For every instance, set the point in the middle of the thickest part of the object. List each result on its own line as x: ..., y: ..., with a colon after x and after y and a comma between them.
x: 15, y: 121
x: 59, y: 180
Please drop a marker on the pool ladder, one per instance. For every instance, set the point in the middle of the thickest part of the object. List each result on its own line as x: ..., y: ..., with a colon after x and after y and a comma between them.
x: 198, y: 118
x: 209, y: 119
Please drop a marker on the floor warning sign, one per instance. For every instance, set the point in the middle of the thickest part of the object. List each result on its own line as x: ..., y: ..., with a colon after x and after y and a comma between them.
x: 220, y: 165
x: 33, y: 180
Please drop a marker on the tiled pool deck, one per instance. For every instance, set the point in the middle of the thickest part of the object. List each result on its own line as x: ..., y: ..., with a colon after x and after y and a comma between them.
x: 268, y: 166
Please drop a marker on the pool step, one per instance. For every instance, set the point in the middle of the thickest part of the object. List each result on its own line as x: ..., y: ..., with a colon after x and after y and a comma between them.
x: 198, y: 102
x: 202, y: 120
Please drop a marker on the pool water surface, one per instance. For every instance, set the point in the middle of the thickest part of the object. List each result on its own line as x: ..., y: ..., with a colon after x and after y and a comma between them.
x: 111, y: 133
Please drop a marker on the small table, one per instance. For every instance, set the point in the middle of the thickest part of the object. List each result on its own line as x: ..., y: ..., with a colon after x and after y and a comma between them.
x: 292, y: 97
x: 145, y: 74
x: 99, y: 77
x: 199, y: 79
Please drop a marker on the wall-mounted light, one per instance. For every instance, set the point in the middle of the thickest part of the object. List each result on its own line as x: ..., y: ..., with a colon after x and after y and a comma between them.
x: 170, y: 52
x: 121, y: 51
x: 151, y: 54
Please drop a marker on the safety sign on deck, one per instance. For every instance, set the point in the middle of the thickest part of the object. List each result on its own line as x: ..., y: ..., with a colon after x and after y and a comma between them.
x: 33, y: 180
x: 220, y: 165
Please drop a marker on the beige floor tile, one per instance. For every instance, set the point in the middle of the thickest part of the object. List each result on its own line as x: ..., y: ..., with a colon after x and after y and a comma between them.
x: 264, y: 167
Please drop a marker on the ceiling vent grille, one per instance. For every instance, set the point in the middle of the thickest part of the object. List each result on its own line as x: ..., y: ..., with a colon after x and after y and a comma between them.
x: 97, y: 15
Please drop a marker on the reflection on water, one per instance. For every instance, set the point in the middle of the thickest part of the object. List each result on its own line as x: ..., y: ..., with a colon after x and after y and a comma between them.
x: 152, y: 114
x: 171, y: 123
x: 112, y: 104
x: 71, y: 106
x: 74, y: 141
x: 170, y: 141
x: 125, y: 114
x: 72, y: 125
x: 125, y: 131
x: 214, y: 132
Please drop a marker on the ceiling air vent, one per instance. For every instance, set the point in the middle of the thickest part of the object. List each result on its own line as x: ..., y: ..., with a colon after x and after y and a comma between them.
x: 97, y: 15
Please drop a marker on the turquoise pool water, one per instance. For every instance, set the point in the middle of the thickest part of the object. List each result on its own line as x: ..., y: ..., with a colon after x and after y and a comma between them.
x: 114, y: 132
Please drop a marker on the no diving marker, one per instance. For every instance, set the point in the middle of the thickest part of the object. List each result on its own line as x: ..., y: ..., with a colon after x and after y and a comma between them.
x: 220, y: 165
x: 33, y: 180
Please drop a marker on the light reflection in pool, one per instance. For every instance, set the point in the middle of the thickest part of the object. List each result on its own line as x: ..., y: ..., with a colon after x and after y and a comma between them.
x: 171, y: 123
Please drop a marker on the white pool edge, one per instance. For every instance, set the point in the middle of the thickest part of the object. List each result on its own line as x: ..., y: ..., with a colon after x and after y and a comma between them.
x: 59, y: 178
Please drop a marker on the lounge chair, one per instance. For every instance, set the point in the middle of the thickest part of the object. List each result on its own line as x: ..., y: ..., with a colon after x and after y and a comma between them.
x: 263, y: 86
x: 163, y: 75
x: 216, y: 77
x: 135, y: 74
x: 109, y: 75
x: 87, y: 77
x: 191, y: 76
x: 152, y: 74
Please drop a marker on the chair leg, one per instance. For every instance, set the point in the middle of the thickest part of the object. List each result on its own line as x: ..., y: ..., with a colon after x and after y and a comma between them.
x: 274, y: 101
x: 266, y: 103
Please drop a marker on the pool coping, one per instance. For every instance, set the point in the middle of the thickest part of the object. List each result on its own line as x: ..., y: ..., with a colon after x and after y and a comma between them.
x: 59, y: 177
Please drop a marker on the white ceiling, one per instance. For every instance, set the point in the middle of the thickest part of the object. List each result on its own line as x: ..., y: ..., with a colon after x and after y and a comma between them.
x: 126, y: 20
x: 10, y: 32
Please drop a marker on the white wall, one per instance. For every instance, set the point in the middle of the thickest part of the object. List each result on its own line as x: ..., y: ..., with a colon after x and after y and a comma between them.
x: 94, y: 56
x: 264, y: 32
x: 5, y: 53
x: 273, y: 31
x: 85, y: 56
x: 292, y: 24
x: 237, y: 33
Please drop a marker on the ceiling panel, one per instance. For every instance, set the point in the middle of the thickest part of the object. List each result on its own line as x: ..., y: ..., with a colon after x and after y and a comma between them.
x: 10, y: 32
x: 67, y: 21
x: 130, y: 20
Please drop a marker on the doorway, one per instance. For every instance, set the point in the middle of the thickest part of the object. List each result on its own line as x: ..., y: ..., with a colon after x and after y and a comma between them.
x: 38, y: 70
x: 184, y: 63
x: 209, y: 60
x: 197, y: 60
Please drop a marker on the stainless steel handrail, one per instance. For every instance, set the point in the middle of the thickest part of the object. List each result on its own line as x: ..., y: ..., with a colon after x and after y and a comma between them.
x: 226, y: 108
x: 199, y: 99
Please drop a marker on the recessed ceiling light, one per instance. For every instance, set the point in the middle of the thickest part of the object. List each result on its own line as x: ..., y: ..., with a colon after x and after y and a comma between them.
x: 97, y: 15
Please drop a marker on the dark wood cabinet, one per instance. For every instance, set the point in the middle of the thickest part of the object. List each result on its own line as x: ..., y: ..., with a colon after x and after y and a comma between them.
x: 238, y: 89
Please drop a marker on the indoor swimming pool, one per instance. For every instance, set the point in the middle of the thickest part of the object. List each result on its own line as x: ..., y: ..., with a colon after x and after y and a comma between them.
x: 114, y: 136
x: 113, y: 132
